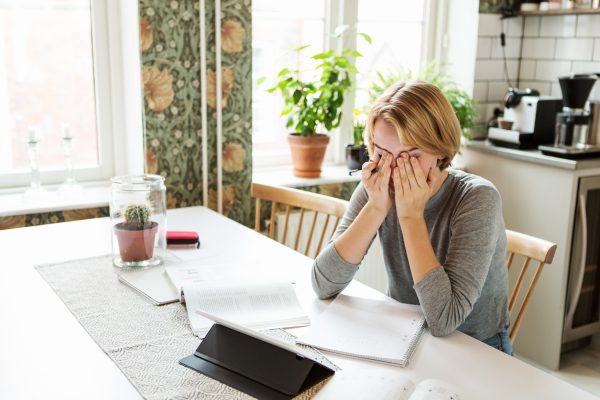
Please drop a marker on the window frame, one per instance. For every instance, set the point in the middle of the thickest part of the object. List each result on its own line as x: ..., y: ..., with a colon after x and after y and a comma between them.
x: 116, y: 94
x: 345, y: 12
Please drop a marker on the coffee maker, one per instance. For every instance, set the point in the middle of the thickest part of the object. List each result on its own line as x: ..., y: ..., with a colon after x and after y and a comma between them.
x: 530, y: 119
x: 574, y: 135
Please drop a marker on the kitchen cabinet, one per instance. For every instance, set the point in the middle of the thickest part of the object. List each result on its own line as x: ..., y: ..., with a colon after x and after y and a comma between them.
x: 539, y: 197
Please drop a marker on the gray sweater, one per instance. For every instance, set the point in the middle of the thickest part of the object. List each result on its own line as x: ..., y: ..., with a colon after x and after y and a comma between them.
x: 469, y: 290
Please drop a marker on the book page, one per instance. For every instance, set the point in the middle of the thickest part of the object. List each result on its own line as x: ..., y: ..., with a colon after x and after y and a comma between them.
x: 255, y: 304
x: 383, y: 330
x: 367, y: 384
x: 195, y: 272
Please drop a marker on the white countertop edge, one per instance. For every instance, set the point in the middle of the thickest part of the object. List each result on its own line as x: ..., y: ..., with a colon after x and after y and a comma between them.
x: 534, y: 156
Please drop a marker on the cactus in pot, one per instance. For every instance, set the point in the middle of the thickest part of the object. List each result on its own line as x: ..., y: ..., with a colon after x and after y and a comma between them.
x: 136, y: 233
x: 136, y: 216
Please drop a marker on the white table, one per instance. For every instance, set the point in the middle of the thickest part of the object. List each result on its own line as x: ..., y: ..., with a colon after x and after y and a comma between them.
x: 35, y: 323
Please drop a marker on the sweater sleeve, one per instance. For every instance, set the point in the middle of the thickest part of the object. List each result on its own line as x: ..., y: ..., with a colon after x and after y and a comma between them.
x: 448, y: 293
x: 330, y: 272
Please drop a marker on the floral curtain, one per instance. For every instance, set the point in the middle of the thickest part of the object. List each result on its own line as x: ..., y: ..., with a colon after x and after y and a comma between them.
x: 171, y: 65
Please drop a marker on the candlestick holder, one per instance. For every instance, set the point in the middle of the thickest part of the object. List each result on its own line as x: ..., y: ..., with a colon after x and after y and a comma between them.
x: 36, y: 191
x: 70, y: 188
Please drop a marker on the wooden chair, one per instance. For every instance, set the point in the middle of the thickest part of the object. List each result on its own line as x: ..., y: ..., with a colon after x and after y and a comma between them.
x: 294, y: 199
x: 532, y: 249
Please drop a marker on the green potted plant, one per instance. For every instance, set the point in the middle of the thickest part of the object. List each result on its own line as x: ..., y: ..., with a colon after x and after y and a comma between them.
x: 136, y: 233
x: 464, y: 106
x: 314, y: 105
x: 357, y: 153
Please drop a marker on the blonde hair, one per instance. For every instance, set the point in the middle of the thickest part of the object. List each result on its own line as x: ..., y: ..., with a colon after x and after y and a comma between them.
x: 422, y: 117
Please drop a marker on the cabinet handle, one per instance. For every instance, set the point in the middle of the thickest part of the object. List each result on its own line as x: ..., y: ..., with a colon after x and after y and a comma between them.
x: 572, y: 304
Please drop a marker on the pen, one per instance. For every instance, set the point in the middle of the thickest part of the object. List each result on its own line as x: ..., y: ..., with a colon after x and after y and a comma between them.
x: 355, y: 171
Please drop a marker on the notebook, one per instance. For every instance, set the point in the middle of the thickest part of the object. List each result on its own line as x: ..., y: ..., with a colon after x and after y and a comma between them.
x: 151, y: 283
x: 381, y: 330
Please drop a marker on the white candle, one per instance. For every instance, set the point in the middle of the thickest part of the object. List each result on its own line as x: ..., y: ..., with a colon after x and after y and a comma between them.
x: 32, y: 133
x: 66, y: 132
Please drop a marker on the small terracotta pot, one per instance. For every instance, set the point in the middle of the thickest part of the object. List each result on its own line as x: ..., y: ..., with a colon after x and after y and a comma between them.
x: 136, y: 245
x: 307, y: 154
x: 356, y: 156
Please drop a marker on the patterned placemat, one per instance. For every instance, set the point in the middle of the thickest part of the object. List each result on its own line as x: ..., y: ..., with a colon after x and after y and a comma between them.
x: 144, y: 341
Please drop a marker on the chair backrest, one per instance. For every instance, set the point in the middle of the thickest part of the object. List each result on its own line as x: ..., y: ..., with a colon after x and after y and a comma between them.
x: 294, y: 200
x: 539, y: 251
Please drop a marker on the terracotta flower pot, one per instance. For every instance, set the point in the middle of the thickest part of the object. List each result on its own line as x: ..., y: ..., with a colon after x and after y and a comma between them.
x: 356, y: 156
x: 307, y: 154
x: 136, y: 245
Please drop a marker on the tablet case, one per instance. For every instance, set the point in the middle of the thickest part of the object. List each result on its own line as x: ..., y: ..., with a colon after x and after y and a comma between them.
x: 252, y: 366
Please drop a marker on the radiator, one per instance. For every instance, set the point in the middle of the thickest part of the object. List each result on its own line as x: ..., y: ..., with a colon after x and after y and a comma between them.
x: 372, y: 271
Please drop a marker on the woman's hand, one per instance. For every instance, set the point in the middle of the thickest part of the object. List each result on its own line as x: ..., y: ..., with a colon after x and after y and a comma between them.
x: 413, y: 188
x: 376, y: 178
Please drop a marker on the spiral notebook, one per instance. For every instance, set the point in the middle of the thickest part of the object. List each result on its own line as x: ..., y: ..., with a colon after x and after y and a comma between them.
x: 381, y: 330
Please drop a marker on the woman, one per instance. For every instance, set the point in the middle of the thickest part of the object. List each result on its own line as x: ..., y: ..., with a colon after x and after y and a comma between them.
x: 441, y: 230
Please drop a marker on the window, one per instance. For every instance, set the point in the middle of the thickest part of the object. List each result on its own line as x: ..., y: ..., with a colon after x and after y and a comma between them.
x: 295, y: 24
x: 55, y: 69
x: 397, y: 40
x: 396, y: 27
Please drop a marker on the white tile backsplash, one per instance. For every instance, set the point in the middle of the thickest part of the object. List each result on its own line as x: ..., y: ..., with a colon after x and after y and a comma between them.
x: 484, y: 47
x: 497, y: 90
x: 550, y: 70
x: 542, y: 87
x: 561, y: 25
x: 555, y: 91
x: 580, y: 67
x: 595, y: 95
x: 486, y: 110
x: 588, y: 26
x: 597, y: 49
x: 538, y: 48
x: 489, y: 25
x: 512, y: 48
x: 527, y: 69
x: 532, y: 27
x: 480, y: 91
x: 574, y: 49
x: 494, y: 69
x: 514, y: 27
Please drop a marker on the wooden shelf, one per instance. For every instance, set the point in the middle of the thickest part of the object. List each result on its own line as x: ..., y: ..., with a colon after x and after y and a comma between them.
x: 572, y: 11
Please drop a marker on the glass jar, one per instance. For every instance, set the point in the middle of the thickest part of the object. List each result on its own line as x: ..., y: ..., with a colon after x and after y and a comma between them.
x: 138, y: 216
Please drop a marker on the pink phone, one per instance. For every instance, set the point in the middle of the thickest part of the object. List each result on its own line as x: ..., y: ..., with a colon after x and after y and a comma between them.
x: 183, y: 238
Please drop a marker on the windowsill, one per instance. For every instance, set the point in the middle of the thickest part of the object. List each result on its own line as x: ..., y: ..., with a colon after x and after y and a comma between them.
x: 93, y: 194
x: 284, y: 176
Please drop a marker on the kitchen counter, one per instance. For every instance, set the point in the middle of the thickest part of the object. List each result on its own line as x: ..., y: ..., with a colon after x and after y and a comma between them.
x: 533, y: 156
x: 540, y: 197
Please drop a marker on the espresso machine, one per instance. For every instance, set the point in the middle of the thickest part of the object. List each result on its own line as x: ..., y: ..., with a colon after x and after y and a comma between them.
x: 530, y: 119
x: 576, y: 130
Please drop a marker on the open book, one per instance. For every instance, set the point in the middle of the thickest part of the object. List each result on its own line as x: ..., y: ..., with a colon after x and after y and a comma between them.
x: 382, y: 330
x: 370, y: 384
x: 255, y: 304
